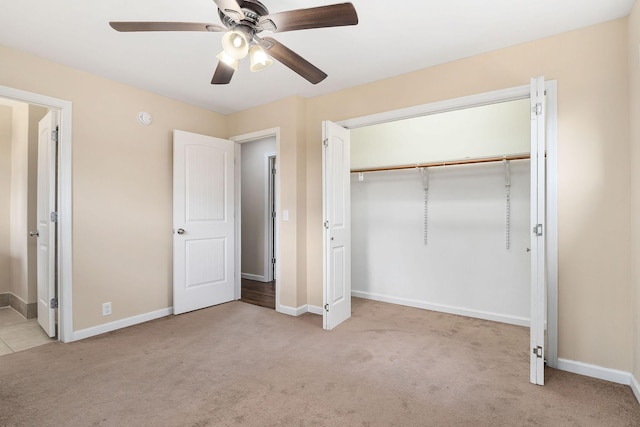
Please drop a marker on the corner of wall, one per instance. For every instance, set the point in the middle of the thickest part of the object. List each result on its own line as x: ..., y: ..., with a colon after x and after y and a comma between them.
x: 5, y: 202
x: 633, y: 22
x: 301, y: 200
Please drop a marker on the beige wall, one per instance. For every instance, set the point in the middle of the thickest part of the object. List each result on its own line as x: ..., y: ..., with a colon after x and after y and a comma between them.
x: 590, y: 65
x: 288, y: 115
x: 634, y: 81
x: 19, y: 201
x: 5, y: 197
x: 122, y: 185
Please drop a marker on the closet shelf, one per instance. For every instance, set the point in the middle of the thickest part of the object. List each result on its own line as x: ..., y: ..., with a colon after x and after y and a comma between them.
x: 446, y: 163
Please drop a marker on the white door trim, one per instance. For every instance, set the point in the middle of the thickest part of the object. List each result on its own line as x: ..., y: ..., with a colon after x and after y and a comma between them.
x: 240, y: 139
x: 509, y: 94
x: 64, y: 224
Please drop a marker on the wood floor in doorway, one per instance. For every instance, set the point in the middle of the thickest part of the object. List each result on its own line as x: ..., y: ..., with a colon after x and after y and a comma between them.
x: 259, y: 293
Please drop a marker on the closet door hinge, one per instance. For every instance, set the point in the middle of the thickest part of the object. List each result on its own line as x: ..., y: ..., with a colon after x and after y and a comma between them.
x: 273, y: 260
x: 54, y: 216
x: 53, y: 303
x: 54, y: 135
x: 538, y: 352
x: 537, y: 109
x: 537, y: 230
x: 325, y: 142
x: 326, y: 308
x: 326, y: 225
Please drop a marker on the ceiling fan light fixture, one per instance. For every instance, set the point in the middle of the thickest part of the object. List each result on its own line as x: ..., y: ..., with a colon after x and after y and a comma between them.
x: 228, y: 59
x: 259, y: 59
x: 235, y: 44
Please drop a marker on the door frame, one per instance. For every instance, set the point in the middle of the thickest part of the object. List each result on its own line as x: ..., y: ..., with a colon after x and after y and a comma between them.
x: 241, y: 139
x: 494, y: 97
x: 64, y: 200
x: 269, y: 212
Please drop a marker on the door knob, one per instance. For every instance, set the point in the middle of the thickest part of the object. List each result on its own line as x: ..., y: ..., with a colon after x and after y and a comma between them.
x: 180, y: 230
x: 34, y: 233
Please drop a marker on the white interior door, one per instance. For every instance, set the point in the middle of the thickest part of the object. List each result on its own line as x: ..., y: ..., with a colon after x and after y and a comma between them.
x: 337, y: 224
x: 538, y: 225
x: 203, y: 221
x: 46, y: 232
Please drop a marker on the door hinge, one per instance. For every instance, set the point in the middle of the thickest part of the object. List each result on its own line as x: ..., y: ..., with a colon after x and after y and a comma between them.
x: 54, y: 216
x: 325, y: 142
x: 273, y: 171
x: 326, y: 308
x: 537, y: 230
x: 273, y: 214
x: 273, y: 260
x: 326, y: 225
x: 538, y: 352
x: 53, y: 303
x: 537, y: 109
x: 54, y: 135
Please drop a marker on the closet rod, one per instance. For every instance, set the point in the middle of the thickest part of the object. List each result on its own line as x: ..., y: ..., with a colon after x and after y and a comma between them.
x: 446, y: 163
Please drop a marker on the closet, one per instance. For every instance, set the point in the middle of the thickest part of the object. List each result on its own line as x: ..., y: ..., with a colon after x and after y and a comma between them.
x: 440, y: 212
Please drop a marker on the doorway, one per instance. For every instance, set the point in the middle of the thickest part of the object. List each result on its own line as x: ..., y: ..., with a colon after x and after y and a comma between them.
x: 257, y: 225
x: 547, y: 217
x: 27, y: 249
x: 58, y: 266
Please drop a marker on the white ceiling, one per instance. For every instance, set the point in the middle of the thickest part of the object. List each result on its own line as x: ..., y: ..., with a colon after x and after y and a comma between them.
x: 392, y: 38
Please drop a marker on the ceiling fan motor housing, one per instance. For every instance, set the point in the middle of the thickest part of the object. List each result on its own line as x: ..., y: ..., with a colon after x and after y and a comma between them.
x: 253, y: 10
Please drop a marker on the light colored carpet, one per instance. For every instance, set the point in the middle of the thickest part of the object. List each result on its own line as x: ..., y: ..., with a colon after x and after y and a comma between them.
x: 238, y: 364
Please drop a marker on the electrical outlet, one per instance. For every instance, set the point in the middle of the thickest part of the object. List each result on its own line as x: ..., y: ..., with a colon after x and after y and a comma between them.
x: 106, y: 308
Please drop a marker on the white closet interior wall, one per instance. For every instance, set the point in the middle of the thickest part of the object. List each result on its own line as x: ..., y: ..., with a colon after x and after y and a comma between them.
x: 465, y: 268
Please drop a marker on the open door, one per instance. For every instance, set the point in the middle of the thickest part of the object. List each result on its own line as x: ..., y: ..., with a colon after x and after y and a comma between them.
x: 46, y: 231
x: 337, y: 224
x: 538, y: 224
x: 203, y: 221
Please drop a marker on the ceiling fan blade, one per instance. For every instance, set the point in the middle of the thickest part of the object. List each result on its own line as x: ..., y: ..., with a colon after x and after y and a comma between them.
x: 222, y: 75
x: 165, y: 26
x: 336, y: 15
x: 292, y: 60
x: 231, y: 8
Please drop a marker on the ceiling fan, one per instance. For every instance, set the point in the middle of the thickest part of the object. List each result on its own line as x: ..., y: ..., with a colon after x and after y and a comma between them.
x: 243, y: 20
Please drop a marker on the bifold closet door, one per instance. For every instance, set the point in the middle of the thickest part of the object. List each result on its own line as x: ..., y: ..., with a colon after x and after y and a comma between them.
x: 538, y: 227
x: 337, y: 224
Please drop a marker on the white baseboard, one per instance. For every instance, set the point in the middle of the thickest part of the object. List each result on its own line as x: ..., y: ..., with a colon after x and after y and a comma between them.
x: 119, y: 324
x: 314, y: 309
x: 595, y: 371
x: 292, y: 311
x: 297, y: 311
x: 512, y: 320
x: 635, y: 386
x: 255, y: 277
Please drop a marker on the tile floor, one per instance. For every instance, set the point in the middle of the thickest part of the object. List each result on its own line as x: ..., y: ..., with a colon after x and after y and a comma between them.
x: 18, y: 333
